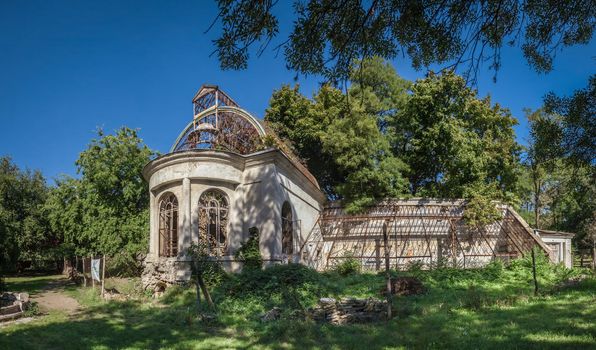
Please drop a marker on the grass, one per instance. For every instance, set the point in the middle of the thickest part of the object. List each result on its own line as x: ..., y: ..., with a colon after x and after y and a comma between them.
x: 491, y: 308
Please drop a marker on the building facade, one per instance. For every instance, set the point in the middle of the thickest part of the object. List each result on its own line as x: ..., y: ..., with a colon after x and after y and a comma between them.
x: 218, y: 180
x: 225, y: 174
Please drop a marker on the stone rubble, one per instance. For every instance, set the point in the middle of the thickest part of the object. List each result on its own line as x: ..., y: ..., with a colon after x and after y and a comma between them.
x: 13, y: 305
x: 161, y: 273
x: 349, y: 310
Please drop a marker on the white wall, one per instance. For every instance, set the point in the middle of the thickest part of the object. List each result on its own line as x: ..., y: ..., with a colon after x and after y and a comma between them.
x: 257, y: 185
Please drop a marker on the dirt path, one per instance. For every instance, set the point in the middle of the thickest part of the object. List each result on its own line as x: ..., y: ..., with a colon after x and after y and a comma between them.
x: 53, y: 298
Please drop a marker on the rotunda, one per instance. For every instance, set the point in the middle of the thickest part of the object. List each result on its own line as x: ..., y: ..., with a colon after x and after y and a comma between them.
x: 218, y: 180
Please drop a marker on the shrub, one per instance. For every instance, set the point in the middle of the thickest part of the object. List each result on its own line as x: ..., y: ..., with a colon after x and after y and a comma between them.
x: 349, y: 265
x: 293, y: 284
x: 250, y: 253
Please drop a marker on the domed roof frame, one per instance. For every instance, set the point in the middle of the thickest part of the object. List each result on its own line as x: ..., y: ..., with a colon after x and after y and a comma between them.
x: 219, y: 122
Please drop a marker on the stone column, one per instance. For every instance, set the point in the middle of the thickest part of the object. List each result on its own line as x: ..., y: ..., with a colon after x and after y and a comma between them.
x: 186, y: 236
x: 153, y: 239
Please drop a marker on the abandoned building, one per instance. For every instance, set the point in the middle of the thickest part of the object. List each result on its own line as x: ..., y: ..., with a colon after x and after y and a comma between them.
x: 220, y: 179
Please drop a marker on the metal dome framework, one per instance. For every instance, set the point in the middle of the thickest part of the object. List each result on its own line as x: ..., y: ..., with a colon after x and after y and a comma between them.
x: 219, y: 124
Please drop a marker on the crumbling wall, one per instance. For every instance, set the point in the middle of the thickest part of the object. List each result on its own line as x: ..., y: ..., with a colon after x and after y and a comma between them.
x: 160, y: 273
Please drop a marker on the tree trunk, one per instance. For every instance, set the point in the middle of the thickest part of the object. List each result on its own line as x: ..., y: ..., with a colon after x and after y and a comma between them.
x: 205, y: 291
x: 200, y: 285
x: 67, y: 267
x: 594, y: 257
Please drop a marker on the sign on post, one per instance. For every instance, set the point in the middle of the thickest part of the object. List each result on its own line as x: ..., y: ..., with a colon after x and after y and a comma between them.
x: 95, y: 269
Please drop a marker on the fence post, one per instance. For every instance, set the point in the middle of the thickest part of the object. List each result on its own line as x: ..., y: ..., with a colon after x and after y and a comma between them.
x: 534, y: 272
x: 91, y: 267
x: 387, y: 273
x: 103, y: 276
x: 84, y: 275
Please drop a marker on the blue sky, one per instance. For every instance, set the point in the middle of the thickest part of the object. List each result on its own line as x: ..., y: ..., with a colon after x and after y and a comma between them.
x: 68, y: 67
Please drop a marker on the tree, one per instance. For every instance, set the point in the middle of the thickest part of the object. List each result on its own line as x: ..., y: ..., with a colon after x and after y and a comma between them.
x: 562, y: 180
x: 106, y: 210
x: 64, y: 208
x: 575, y: 129
x: 340, y: 137
x: 388, y: 137
x: 542, y: 156
x: 25, y: 234
x: 327, y: 35
x: 453, y: 142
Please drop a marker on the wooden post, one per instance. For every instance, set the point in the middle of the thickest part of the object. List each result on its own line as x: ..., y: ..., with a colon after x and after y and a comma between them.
x: 377, y: 254
x: 103, y: 276
x: 84, y: 275
x: 91, y: 268
x: 387, y: 273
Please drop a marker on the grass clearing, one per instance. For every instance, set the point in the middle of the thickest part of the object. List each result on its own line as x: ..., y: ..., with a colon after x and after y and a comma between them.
x: 490, y: 308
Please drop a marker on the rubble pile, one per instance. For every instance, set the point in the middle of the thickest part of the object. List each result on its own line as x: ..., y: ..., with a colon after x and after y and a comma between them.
x: 349, y: 310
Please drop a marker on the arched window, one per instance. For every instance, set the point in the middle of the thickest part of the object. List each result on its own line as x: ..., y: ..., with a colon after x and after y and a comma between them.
x: 168, y: 225
x: 287, y: 229
x: 213, y: 220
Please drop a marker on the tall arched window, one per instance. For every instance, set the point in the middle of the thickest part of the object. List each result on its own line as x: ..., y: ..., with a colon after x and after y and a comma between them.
x: 168, y: 225
x: 213, y: 220
x: 287, y: 229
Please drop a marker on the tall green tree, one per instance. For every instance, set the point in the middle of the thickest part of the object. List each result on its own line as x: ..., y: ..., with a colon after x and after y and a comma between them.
x: 327, y: 35
x: 106, y: 210
x: 25, y: 234
x: 454, y: 142
x: 388, y: 137
x: 561, y: 176
x: 340, y: 136
x: 116, y: 197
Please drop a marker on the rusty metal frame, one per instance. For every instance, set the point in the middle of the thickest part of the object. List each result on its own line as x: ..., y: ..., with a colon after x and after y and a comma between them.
x: 220, y: 124
x: 431, y: 232
x: 168, y: 225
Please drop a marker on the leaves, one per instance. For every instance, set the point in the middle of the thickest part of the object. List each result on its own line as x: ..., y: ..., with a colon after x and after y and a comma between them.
x: 106, y: 210
x: 327, y: 35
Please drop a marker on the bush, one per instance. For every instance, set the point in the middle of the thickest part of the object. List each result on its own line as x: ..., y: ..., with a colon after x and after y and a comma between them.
x: 250, y: 253
x: 292, y: 284
x: 349, y: 265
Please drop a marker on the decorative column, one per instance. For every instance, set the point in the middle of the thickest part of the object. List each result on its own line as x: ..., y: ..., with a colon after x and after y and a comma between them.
x: 153, y: 249
x: 186, y: 215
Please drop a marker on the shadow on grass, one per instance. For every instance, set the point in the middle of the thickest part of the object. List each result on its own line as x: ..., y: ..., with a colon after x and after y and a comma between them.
x: 564, y: 320
x: 37, y: 283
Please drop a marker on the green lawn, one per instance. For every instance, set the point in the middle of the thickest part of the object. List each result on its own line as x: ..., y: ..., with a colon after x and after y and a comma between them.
x: 477, y: 309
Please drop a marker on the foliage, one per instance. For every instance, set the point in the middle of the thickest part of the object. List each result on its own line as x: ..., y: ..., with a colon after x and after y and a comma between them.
x: 557, y: 189
x: 326, y: 36
x: 203, y: 263
x: 25, y: 234
x: 339, y: 136
x: 293, y: 284
x: 388, y: 137
x: 250, y: 252
x: 456, y: 312
x: 451, y: 140
x: 348, y: 265
x: 575, y: 129
x: 481, y: 209
x: 106, y: 210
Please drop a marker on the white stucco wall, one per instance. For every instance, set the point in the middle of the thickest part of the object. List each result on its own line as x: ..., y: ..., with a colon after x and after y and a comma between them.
x: 564, y: 249
x: 256, y: 185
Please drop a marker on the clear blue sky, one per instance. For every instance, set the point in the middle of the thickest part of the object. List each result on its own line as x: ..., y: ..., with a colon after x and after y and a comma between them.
x: 67, y: 67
